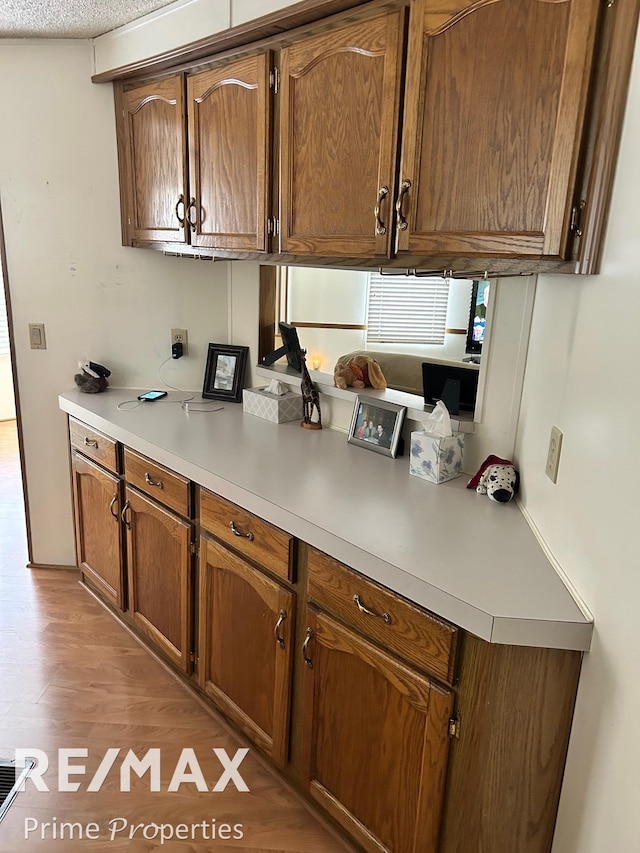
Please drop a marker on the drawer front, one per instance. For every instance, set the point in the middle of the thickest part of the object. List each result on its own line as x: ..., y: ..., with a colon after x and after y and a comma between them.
x: 94, y: 444
x: 402, y: 627
x: 267, y: 545
x: 158, y: 482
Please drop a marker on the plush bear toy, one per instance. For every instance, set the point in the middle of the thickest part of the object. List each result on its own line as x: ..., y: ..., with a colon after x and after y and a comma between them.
x: 358, y: 371
x: 497, y: 479
x: 92, y: 377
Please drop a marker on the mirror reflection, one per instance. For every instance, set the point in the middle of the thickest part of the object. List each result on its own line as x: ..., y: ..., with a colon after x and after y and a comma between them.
x: 400, y: 320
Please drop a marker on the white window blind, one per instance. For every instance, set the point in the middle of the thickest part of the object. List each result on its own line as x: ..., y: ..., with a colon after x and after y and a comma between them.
x: 4, y: 328
x: 407, y: 309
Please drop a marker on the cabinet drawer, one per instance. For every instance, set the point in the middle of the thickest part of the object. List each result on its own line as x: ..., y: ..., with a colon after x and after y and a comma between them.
x: 158, y: 482
x: 254, y: 538
x: 94, y: 444
x: 402, y: 627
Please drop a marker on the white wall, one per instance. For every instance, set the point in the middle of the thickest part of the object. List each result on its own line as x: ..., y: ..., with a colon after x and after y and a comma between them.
x: 67, y: 269
x: 582, y: 375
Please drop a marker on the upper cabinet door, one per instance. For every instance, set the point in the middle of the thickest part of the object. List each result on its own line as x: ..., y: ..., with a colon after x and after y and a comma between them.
x: 494, y: 108
x: 229, y: 119
x: 338, y: 129
x: 153, y: 158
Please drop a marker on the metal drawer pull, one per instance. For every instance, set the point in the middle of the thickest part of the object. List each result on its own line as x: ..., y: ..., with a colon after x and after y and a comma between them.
x: 236, y: 532
x: 90, y: 442
x: 192, y: 205
x: 150, y: 482
x: 400, y: 220
x: 281, y: 617
x: 358, y: 602
x: 114, y: 501
x: 305, y: 645
x: 126, y: 523
x: 178, y: 203
x: 381, y: 228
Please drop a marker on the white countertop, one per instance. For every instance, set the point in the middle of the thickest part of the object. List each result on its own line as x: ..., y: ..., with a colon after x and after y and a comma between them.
x: 467, y: 559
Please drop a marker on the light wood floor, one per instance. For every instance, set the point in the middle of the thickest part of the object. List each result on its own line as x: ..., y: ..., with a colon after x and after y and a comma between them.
x: 72, y: 677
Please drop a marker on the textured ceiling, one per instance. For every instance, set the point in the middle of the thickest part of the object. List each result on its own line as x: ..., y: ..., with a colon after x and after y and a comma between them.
x: 70, y: 18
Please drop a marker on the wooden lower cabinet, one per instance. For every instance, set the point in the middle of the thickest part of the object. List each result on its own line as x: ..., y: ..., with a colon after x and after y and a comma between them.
x: 96, y: 494
x: 375, y: 740
x: 159, y: 568
x: 245, y: 646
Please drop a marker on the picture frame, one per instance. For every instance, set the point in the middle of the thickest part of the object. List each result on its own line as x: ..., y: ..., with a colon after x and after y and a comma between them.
x: 377, y: 425
x: 224, y: 372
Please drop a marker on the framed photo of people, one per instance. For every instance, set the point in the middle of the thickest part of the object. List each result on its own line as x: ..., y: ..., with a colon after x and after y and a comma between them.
x: 377, y: 425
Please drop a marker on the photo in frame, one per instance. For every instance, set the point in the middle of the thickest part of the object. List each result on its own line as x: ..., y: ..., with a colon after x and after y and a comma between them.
x: 377, y: 425
x: 224, y: 373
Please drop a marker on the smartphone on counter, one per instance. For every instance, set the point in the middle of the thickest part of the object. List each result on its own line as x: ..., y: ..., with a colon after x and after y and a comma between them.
x: 152, y: 395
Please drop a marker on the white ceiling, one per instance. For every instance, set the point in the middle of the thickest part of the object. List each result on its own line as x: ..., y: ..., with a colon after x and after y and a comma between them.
x: 70, y: 18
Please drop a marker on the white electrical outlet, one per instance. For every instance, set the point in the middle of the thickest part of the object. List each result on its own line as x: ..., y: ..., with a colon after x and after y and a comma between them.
x: 553, y: 454
x: 179, y: 336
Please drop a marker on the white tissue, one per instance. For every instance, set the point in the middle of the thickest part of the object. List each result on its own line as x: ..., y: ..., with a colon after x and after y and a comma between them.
x: 438, y: 423
x: 276, y: 388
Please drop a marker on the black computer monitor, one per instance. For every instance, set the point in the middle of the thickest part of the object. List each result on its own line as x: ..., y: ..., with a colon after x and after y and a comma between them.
x: 477, y: 317
x: 457, y: 387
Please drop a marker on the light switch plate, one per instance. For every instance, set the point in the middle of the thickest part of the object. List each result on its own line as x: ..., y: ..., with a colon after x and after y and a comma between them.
x: 37, y: 337
x: 553, y: 454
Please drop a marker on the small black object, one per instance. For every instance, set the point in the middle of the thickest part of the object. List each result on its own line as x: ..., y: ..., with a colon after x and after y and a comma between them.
x: 437, y: 377
x: 152, y: 395
x: 291, y: 348
x: 177, y: 350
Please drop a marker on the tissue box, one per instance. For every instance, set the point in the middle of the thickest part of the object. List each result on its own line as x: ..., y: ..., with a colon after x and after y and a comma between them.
x: 271, y: 407
x: 436, y: 459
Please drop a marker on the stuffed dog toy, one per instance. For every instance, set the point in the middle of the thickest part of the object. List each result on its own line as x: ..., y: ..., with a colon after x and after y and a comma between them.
x: 93, y: 377
x: 497, y: 479
x: 358, y: 371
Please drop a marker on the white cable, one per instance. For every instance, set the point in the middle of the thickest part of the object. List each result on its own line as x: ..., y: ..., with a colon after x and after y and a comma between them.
x: 173, y: 387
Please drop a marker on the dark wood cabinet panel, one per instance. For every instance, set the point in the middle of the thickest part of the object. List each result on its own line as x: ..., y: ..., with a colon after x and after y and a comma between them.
x: 96, y: 498
x: 159, y: 568
x: 153, y: 172
x: 375, y: 740
x: 245, y: 646
x: 229, y: 154
x: 494, y: 109
x: 339, y: 105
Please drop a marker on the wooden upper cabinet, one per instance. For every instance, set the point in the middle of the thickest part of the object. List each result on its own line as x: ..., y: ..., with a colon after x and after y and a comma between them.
x: 495, y: 101
x: 229, y: 151
x: 153, y: 161
x: 339, y: 104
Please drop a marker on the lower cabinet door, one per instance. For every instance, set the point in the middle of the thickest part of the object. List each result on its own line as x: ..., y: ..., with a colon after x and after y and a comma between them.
x: 375, y: 740
x: 245, y: 652
x: 96, y: 496
x: 159, y: 566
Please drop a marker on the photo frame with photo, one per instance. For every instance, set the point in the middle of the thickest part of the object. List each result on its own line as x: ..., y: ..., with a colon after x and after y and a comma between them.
x: 224, y: 373
x: 377, y: 425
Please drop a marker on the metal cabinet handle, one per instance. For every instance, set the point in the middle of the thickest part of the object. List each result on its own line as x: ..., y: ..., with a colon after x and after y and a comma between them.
x: 305, y: 645
x: 90, y: 442
x: 157, y: 483
x: 126, y: 523
x: 381, y: 228
x: 236, y: 532
x: 192, y: 224
x: 358, y: 602
x: 401, y: 222
x: 279, y: 638
x: 114, y: 501
x: 178, y: 203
